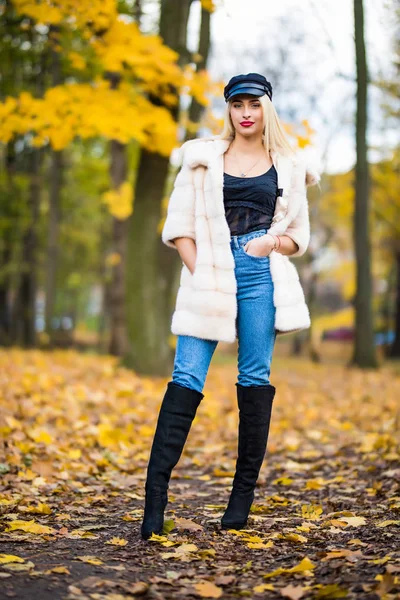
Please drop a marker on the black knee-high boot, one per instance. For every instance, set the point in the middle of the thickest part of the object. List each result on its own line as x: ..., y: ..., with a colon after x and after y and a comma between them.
x: 177, y: 412
x: 255, y: 407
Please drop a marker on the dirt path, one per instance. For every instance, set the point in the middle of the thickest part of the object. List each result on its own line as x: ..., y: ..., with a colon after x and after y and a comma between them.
x: 77, y: 432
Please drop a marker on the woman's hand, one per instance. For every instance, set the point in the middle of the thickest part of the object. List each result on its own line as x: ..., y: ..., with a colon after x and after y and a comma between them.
x: 260, y: 246
x: 188, y: 251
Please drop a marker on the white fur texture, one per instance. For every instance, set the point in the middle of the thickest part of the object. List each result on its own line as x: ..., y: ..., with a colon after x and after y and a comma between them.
x: 206, y: 305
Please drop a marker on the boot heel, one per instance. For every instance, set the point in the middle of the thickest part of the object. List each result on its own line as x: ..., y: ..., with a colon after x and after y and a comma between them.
x: 237, y: 511
x: 153, y: 520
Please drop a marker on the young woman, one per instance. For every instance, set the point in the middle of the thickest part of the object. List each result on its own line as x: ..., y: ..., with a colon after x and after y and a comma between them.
x: 238, y: 210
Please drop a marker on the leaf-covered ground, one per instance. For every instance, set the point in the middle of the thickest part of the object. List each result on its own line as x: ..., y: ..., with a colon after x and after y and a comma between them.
x: 76, y: 432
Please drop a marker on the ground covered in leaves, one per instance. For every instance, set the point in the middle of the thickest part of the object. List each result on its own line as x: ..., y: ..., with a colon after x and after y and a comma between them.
x: 76, y: 432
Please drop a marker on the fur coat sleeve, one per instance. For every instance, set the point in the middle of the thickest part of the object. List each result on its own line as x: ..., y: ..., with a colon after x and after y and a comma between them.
x: 299, y: 229
x: 180, y: 219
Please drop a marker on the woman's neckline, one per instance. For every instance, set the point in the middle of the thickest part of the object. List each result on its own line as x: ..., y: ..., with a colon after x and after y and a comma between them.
x: 254, y: 177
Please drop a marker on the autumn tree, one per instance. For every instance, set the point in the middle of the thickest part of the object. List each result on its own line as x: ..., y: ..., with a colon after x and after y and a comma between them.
x: 152, y: 273
x: 91, y: 44
x: 364, y: 348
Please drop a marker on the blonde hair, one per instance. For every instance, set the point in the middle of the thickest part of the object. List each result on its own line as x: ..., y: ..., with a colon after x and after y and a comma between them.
x: 274, y: 136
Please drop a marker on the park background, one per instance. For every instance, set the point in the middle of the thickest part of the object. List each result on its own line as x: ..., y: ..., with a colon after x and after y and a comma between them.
x: 94, y: 98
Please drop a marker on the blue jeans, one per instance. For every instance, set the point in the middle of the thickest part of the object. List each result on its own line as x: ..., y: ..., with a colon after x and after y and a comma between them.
x: 255, y: 325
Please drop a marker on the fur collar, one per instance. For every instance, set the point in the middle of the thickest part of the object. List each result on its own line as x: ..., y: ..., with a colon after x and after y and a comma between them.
x: 203, y: 151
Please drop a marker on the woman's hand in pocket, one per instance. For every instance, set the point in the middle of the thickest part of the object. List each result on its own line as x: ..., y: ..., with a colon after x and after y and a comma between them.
x: 260, y: 246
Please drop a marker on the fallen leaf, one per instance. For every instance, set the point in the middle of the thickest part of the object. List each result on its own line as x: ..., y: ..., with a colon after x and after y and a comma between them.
x: 30, y: 527
x: 92, y: 560
x: 10, y: 558
x: 207, y: 589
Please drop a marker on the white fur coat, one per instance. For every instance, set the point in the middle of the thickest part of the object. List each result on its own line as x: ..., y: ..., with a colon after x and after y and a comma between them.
x: 206, y: 304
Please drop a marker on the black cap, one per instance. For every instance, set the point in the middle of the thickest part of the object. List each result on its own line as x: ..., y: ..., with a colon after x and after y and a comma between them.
x: 252, y: 83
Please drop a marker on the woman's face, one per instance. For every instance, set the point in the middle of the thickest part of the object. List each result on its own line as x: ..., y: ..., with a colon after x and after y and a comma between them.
x: 247, y: 109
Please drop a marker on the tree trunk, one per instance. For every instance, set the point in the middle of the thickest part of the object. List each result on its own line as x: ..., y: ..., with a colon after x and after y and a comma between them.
x: 5, y: 314
x: 7, y: 243
x: 56, y: 172
x: 117, y: 295
x: 364, y: 349
x: 395, y: 347
x: 24, y: 321
x: 138, y: 11
x: 196, y: 110
x: 148, y: 329
x: 150, y: 266
x: 103, y: 320
x: 56, y: 182
x: 24, y: 309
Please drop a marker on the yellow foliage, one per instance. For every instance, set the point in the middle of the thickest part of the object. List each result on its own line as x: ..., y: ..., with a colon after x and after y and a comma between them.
x: 113, y: 259
x: 120, y: 205
x: 197, y: 83
x: 88, y: 110
x: 124, y: 47
x: 77, y: 61
x: 98, y: 13
x: 208, y: 5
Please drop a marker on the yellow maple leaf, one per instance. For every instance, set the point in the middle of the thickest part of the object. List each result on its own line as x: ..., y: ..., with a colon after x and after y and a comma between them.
x: 303, y: 566
x: 42, y: 508
x: 30, y: 527
x: 207, y: 589
x: 311, y: 511
x: 264, y: 587
x: 220, y: 473
x: 283, y: 481
x: 387, y: 523
x: 260, y: 545
x: 75, y: 453
x: 116, y: 541
x: 91, y: 560
x: 353, y: 521
x: 10, y: 558
x: 61, y: 570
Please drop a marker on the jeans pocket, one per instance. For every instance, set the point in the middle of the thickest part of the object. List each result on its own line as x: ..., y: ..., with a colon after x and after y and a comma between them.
x: 253, y: 255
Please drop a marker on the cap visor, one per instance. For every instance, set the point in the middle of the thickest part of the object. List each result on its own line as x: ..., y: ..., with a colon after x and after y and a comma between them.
x: 246, y: 90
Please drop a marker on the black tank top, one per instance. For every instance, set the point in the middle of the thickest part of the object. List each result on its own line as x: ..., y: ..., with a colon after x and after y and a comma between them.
x: 250, y: 201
